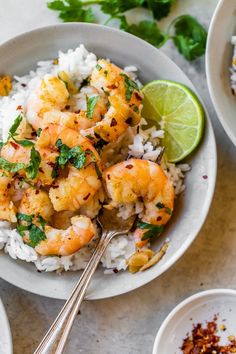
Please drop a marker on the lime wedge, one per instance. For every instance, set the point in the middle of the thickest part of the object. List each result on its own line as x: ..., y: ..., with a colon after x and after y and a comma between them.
x: 178, y: 112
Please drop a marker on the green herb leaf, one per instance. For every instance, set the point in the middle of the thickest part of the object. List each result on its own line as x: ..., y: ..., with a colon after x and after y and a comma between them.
x: 130, y: 86
x: 98, y: 67
x: 39, y: 131
x: 149, y: 31
x: 1, y: 144
x: 114, y: 7
x: 91, y: 103
x: 15, y: 125
x: 42, y: 221
x: 24, y: 217
x: 190, y: 37
x: 25, y: 143
x: 168, y: 211
x: 11, y: 166
x: 153, y: 230
x: 33, y: 167
x: 36, y: 235
x: 159, y: 8
x: 77, y: 157
x: 72, y: 10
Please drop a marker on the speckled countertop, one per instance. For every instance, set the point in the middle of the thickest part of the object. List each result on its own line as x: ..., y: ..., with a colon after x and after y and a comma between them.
x: 128, y: 324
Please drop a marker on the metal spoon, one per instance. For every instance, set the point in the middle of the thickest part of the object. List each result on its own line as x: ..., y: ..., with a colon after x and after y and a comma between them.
x: 55, y: 339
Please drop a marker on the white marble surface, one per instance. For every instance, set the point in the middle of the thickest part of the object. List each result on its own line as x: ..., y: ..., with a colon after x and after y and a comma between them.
x: 128, y: 324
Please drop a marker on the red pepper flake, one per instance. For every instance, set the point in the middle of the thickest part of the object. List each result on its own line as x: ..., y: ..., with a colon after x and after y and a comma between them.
x: 205, y: 340
x: 37, y: 191
x: 19, y: 107
x: 8, y: 185
x: 129, y: 120
x: 159, y: 218
x: 108, y: 177
x: 51, y: 164
x: 113, y: 122
x: 205, y: 177
x: 87, y: 196
x: 115, y: 270
x: 67, y: 106
x: 129, y: 167
x: 14, y: 145
x: 23, y: 85
x: 138, y: 96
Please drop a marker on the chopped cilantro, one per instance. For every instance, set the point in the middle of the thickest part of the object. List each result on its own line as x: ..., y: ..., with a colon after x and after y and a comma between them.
x: 76, y: 156
x: 98, y: 67
x: 91, y: 103
x: 35, y: 233
x: 152, y: 230
x: 33, y: 167
x: 39, y: 131
x: 130, y: 86
x: 12, y: 167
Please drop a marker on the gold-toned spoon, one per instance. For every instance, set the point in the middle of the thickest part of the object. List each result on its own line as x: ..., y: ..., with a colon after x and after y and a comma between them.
x: 55, y: 339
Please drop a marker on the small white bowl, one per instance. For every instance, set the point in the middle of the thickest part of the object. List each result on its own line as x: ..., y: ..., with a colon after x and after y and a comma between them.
x: 219, y: 54
x: 199, y: 308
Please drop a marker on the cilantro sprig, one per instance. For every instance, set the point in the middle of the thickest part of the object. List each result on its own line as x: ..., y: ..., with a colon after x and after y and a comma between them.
x: 130, y: 86
x: 188, y: 35
x: 91, y: 104
x: 25, y: 223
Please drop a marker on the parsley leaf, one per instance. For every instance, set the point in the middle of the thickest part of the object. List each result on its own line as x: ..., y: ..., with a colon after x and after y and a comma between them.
x: 91, y: 103
x: 33, y: 167
x: 152, y: 230
x: 149, y: 31
x: 11, y: 166
x: 190, y: 37
x: 72, y: 10
x: 159, y: 8
x: 130, y: 86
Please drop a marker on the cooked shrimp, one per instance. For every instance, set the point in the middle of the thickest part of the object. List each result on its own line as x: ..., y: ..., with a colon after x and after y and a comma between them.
x: 17, y: 153
x: 124, y: 98
x: 50, y: 103
x: 69, y: 241
x: 57, y: 242
x: 50, y: 94
x: 7, y: 208
x: 76, y: 189
x: 135, y: 179
x: 36, y: 202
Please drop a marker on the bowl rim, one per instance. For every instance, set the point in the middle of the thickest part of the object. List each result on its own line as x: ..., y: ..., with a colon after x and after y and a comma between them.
x: 182, y: 304
x: 7, y: 328
x: 211, y: 186
x: 209, y: 73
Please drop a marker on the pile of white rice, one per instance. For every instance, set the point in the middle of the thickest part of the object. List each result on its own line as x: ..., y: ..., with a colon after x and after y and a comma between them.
x: 233, y: 68
x: 140, y: 143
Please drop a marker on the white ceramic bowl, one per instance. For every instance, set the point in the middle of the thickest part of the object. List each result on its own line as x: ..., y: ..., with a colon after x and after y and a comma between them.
x: 5, y: 332
x: 199, y: 308
x: 218, y: 60
x: 21, y: 54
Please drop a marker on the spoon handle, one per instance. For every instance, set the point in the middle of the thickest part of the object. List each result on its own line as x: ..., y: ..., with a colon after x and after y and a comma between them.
x: 55, y: 339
